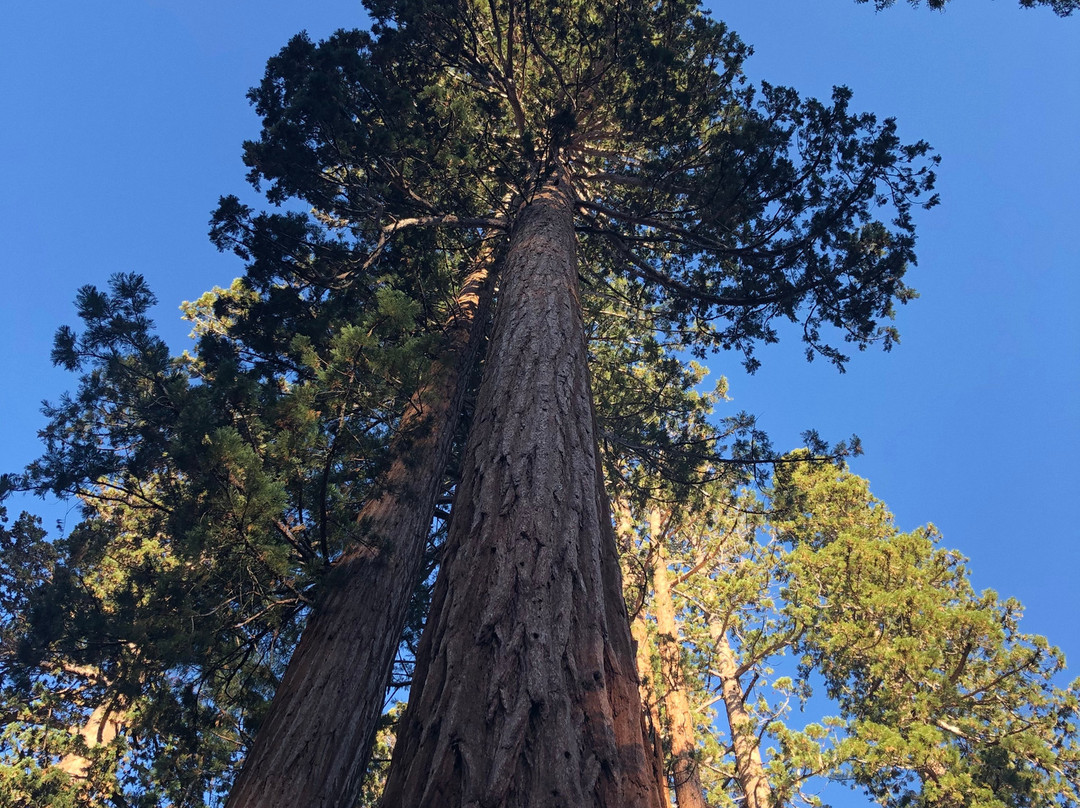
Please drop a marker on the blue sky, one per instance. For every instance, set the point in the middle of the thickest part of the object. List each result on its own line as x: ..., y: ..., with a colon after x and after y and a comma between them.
x: 122, y: 125
x: 973, y: 421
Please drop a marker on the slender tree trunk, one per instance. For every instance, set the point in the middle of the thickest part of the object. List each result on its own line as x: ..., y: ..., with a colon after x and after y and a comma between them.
x: 639, y: 632
x: 313, y: 747
x: 525, y: 692
x: 654, y: 744
x: 688, y: 790
x: 749, y: 769
x: 100, y: 728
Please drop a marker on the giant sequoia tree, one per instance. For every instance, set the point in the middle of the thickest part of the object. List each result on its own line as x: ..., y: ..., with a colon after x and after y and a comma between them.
x: 618, y: 152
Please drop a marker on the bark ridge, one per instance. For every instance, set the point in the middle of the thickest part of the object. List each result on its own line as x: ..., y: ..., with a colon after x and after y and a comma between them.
x: 526, y: 692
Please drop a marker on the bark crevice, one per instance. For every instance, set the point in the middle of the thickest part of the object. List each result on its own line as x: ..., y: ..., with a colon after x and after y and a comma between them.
x: 526, y: 663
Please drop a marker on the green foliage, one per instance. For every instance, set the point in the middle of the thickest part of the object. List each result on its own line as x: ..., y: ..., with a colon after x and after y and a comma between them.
x: 658, y: 421
x: 217, y: 487
x: 940, y: 698
x: 375, y: 780
x: 28, y: 560
x: 947, y: 702
x: 214, y: 489
x: 736, y: 208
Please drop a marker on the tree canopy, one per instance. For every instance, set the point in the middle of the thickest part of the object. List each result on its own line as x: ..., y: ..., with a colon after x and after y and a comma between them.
x: 813, y: 595
x: 678, y: 210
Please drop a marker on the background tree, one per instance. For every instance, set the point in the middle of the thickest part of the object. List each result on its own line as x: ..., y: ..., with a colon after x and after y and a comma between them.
x: 215, y: 490
x: 941, y: 698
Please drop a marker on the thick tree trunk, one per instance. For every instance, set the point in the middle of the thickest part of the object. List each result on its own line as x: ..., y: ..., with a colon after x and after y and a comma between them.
x: 312, y: 749
x: 749, y: 769
x: 684, y: 773
x: 525, y: 692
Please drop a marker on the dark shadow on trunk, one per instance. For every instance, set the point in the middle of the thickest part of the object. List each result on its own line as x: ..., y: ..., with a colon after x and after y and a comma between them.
x: 313, y: 747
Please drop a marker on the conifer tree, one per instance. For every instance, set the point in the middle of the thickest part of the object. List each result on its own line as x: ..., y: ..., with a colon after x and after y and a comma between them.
x: 141, y: 656
x: 939, y: 697
x: 611, y: 153
x: 408, y: 145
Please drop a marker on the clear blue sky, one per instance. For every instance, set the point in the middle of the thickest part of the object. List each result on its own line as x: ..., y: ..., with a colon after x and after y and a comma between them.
x: 122, y: 124
x: 973, y: 421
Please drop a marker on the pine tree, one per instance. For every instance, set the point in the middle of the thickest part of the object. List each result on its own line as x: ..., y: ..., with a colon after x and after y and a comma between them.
x: 940, y: 698
x: 215, y: 490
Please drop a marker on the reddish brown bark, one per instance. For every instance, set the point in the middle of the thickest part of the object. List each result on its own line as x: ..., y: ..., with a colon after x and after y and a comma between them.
x: 525, y: 692
x: 749, y: 769
x: 313, y: 747
x: 684, y: 772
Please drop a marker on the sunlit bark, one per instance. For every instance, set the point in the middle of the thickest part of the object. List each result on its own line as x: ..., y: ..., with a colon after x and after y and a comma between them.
x: 749, y: 768
x: 687, y: 781
x: 525, y: 691
x: 643, y: 655
x: 99, y: 729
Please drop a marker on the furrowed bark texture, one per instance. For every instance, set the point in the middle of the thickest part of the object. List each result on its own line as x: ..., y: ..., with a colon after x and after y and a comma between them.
x: 749, y: 769
x: 313, y: 748
x: 525, y: 691
x: 687, y: 781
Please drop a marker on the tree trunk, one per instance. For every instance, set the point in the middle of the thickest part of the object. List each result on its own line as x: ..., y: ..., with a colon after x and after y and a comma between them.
x: 654, y: 744
x: 687, y: 781
x: 525, y: 692
x: 313, y: 747
x: 100, y: 729
x: 639, y: 632
x: 749, y: 770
